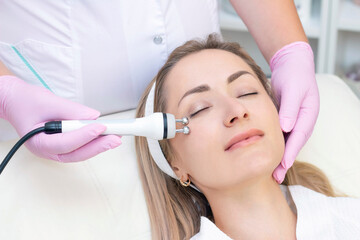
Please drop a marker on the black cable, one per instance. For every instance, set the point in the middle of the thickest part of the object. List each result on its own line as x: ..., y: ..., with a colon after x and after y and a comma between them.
x: 49, y: 128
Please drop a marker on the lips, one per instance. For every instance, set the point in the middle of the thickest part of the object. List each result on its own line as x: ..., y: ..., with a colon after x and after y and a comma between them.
x: 244, y: 138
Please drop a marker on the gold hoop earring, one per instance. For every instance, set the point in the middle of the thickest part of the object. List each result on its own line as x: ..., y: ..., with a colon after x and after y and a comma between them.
x: 185, y: 184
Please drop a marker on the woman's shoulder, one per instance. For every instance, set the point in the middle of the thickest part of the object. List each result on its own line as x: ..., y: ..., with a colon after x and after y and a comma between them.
x: 320, y: 215
x: 310, y: 200
x: 303, y: 193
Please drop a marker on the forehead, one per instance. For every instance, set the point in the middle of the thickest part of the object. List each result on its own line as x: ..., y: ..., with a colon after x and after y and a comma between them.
x: 204, y: 67
x: 208, y: 62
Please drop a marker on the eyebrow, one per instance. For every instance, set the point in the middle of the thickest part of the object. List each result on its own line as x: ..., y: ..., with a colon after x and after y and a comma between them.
x: 205, y: 87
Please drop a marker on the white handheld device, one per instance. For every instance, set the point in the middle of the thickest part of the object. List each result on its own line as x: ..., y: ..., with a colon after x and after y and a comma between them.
x: 157, y: 126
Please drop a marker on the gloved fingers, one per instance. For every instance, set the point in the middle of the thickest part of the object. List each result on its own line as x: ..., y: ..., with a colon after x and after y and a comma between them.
x: 61, y: 143
x: 91, y: 149
x: 39, y: 104
x: 291, y: 101
x: 279, y: 174
x: 308, y: 115
x: 295, y: 142
x: 302, y: 130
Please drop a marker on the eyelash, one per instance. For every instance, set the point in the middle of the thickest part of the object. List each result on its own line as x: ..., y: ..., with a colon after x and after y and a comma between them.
x: 247, y: 94
x: 193, y: 114
x: 253, y: 93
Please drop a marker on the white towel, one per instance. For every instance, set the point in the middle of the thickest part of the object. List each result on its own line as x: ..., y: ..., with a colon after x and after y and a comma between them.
x: 318, y: 217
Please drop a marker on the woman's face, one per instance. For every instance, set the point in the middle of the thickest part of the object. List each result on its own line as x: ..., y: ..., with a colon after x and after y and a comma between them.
x: 221, y: 106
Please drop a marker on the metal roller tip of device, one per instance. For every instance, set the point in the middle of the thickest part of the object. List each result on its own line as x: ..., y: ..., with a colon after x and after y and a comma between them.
x: 185, y: 130
x: 184, y: 121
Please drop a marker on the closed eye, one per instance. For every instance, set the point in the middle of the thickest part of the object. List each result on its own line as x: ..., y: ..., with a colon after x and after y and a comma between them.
x: 193, y: 114
x: 253, y: 93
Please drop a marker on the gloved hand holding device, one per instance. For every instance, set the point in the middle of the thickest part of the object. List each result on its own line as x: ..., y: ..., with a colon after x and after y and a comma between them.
x: 293, y: 79
x: 28, y: 107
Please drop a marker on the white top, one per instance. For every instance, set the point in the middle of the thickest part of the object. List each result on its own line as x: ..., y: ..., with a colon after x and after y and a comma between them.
x: 318, y: 217
x: 98, y: 53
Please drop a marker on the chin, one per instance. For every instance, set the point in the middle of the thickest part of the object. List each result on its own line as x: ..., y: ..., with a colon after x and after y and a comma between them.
x: 262, y: 164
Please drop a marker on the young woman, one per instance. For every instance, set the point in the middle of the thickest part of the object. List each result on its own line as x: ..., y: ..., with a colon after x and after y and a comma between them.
x: 216, y: 182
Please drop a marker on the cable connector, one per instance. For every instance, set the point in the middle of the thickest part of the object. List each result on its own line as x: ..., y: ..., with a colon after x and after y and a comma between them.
x: 53, y: 127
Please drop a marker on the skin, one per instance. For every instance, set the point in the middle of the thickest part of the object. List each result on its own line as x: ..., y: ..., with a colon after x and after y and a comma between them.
x: 4, y: 70
x: 246, y: 201
x: 272, y: 23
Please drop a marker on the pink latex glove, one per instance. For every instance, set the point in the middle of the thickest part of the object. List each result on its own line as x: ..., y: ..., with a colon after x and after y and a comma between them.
x: 28, y: 107
x: 293, y: 79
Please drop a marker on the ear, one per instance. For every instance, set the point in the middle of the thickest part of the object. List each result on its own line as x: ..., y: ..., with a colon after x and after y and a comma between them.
x: 178, y: 169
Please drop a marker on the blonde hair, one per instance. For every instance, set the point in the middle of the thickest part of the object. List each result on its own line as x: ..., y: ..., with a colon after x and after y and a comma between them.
x: 175, y: 210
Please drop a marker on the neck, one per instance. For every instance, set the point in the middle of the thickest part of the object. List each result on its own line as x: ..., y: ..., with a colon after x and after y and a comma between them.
x: 257, y: 211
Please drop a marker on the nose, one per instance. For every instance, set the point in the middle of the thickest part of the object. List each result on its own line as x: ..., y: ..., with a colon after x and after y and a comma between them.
x: 236, y: 113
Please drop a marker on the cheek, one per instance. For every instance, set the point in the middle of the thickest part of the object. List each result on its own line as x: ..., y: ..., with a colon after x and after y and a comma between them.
x: 198, y: 150
x: 195, y: 145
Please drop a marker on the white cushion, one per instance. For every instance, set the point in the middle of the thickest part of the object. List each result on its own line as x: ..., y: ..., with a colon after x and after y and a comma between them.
x: 102, y: 198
